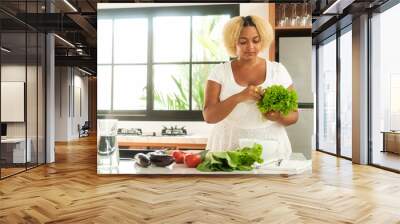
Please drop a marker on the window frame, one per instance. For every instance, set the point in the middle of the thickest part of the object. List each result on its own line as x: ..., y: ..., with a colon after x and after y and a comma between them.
x: 371, y: 13
x: 343, y: 31
x: 328, y: 36
x: 150, y: 114
x: 37, y: 59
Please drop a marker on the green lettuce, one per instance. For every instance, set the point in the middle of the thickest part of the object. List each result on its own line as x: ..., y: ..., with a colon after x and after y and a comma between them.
x: 278, y: 98
x: 240, y: 159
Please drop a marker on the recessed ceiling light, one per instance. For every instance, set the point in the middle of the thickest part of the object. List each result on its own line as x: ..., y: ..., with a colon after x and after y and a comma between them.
x: 70, y: 5
x: 337, y: 7
x: 64, y: 40
x: 84, y: 71
x: 5, y: 50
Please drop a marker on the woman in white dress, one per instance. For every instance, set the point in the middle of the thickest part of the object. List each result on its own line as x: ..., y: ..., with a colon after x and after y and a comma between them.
x: 233, y: 89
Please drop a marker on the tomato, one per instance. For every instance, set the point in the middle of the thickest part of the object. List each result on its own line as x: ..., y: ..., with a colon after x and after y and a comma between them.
x: 178, y: 156
x: 192, y: 160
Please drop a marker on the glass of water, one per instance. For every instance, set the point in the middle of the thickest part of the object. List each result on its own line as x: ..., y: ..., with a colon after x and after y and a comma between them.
x: 107, y: 145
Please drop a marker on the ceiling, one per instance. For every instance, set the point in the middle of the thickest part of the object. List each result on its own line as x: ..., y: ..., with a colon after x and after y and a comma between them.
x: 76, y: 25
x: 75, y: 21
x: 332, y: 15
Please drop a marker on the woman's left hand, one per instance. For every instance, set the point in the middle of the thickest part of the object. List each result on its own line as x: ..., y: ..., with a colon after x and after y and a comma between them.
x: 285, y: 120
x: 273, y: 116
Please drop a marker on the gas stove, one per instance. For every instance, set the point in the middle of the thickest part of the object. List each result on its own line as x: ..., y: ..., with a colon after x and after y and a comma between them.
x: 130, y: 131
x: 166, y: 131
x: 173, y: 131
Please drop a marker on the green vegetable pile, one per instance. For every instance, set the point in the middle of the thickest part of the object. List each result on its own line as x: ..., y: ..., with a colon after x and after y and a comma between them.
x: 240, y: 159
x: 279, y: 99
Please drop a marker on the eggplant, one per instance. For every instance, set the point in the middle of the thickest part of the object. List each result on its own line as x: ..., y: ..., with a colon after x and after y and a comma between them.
x: 162, y: 160
x: 142, y: 160
x: 158, y: 152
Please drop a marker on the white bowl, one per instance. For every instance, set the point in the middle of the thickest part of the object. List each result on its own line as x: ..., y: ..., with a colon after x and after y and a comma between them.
x: 270, y: 148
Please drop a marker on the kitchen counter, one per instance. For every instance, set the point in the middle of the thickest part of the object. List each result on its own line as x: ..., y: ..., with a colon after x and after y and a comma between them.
x: 296, y: 165
x: 177, y: 142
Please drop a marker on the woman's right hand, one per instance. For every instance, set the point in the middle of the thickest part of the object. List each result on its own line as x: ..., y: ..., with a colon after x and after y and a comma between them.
x: 250, y: 93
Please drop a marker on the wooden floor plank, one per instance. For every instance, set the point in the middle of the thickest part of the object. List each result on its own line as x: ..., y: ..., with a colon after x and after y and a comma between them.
x: 70, y: 191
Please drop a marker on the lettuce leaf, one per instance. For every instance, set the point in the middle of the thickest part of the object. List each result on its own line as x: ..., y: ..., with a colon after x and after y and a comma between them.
x: 240, y: 159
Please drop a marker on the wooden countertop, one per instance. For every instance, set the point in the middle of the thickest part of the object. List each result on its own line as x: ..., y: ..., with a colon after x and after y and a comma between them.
x: 177, y: 142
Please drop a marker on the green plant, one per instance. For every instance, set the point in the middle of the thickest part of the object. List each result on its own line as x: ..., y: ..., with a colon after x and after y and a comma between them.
x: 200, y: 73
x: 174, y: 101
x: 199, y: 76
x: 198, y: 86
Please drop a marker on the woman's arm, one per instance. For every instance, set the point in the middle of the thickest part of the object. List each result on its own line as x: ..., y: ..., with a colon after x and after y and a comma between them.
x: 216, y: 110
x: 287, y: 120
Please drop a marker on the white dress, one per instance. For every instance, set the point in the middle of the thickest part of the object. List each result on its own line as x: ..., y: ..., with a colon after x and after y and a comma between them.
x: 245, y: 120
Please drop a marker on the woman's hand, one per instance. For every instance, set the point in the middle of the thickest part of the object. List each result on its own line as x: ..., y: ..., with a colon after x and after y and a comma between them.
x: 273, y: 116
x: 285, y: 120
x: 250, y: 93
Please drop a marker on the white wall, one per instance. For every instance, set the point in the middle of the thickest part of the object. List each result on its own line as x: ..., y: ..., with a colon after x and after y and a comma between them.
x: 61, y: 103
x: 33, y: 127
x: 15, y: 73
x: 69, y: 82
x: 295, y: 55
x: 82, y: 82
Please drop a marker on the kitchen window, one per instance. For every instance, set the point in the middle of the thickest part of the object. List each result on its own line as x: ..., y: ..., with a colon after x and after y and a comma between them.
x: 153, y: 63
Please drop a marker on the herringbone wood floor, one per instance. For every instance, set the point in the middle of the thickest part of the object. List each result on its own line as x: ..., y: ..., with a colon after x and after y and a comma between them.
x: 70, y: 191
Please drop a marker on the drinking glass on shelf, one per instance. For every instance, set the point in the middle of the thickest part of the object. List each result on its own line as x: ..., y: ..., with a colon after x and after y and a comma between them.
x: 309, y: 14
x: 278, y: 14
x: 304, y: 14
x: 284, y: 19
x: 293, y: 15
x: 300, y: 13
